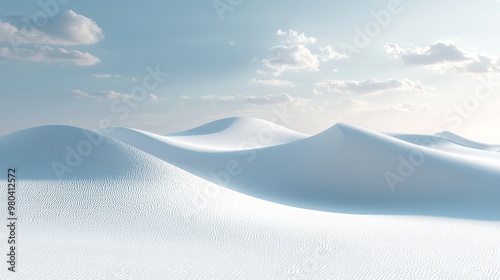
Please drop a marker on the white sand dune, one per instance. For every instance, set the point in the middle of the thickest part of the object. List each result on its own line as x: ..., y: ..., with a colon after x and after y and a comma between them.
x: 231, y: 134
x: 344, y: 169
x: 122, y: 213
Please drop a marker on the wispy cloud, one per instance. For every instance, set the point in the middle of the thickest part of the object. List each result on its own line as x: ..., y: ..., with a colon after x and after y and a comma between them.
x: 108, y: 95
x: 444, y: 57
x: 402, y: 108
x: 274, y: 82
x: 353, y: 102
x: 370, y: 86
x: 50, y: 55
x: 270, y: 99
x: 106, y: 76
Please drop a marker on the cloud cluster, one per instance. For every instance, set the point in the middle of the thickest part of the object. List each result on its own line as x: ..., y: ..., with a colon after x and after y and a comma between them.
x: 64, y: 29
x: 299, y: 53
x: 370, y: 86
x: 442, y: 57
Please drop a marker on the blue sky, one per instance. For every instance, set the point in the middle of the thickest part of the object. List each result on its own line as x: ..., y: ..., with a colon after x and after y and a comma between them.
x: 399, y: 66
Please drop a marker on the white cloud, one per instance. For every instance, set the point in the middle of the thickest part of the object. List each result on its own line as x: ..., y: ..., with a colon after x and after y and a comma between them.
x: 371, y: 86
x: 274, y: 82
x: 296, y: 37
x: 270, y: 99
x: 105, y: 76
x: 445, y: 56
x: 296, y: 57
x: 109, y: 95
x: 50, y: 55
x: 66, y: 28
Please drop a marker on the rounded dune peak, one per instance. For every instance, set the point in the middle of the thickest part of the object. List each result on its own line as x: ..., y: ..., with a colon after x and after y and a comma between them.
x: 236, y: 125
x: 218, y: 126
x: 64, y: 152
x: 229, y: 134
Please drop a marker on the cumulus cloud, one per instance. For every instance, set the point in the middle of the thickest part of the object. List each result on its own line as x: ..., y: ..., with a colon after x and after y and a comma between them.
x: 66, y: 28
x: 371, y: 86
x: 50, y: 55
x: 442, y: 56
x: 270, y: 99
x: 109, y: 95
x: 299, y: 52
x: 296, y: 57
x: 274, y: 82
